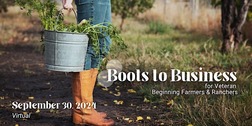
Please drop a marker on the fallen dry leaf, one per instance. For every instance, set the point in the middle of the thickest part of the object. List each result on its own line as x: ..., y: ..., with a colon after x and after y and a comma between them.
x: 146, y: 100
x: 120, y: 102
x: 117, y: 94
x: 116, y: 89
x: 139, y: 118
x: 105, y: 89
x: 37, y: 111
x: 148, y: 118
x: 170, y: 103
x: 131, y: 91
x: 31, y: 98
x: 126, y: 119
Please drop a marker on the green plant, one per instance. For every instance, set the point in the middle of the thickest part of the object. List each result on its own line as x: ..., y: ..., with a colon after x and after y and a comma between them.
x: 158, y: 27
x: 53, y: 19
x: 250, y: 15
x: 221, y: 110
x: 130, y: 8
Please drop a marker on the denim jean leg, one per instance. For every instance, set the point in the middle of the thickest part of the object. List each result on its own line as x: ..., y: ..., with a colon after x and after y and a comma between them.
x: 85, y: 11
x: 99, y: 11
x: 106, y: 42
x: 102, y: 14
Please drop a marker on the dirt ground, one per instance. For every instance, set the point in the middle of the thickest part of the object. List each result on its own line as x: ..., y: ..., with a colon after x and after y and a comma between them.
x: 24, y: 78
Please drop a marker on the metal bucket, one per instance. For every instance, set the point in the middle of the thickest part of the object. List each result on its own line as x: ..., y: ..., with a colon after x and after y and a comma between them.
x: 65, y: 52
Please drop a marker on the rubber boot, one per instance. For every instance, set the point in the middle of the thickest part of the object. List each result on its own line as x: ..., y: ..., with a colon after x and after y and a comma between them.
x: 94, y: 73
x: 77, y: 94
x: 82, y: 89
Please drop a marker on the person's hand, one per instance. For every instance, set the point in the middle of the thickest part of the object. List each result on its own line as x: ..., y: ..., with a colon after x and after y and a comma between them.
x: 67, y: 4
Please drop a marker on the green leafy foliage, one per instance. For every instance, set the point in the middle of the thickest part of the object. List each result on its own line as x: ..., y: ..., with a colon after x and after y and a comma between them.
x: 216, y: 3
x: 130, y: 8
x: 53, y: 19
x: 127, y: 8
x: 250, y: 14
x: 158, y: 27
x: 47, y: 11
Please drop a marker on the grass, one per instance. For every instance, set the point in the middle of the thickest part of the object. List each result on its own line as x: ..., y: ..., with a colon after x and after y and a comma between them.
x: 158, y: 27
x: 163, y: 50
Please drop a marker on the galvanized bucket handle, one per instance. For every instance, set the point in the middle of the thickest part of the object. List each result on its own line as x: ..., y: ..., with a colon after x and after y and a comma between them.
x: 69, y: 11
x: 60, y: 12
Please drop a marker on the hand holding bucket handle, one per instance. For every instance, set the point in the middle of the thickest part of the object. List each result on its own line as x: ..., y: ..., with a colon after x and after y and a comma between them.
x: 67, y: 4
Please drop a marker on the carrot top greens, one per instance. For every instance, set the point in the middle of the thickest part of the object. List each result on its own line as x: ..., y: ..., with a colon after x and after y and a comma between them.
x: 52, y: 19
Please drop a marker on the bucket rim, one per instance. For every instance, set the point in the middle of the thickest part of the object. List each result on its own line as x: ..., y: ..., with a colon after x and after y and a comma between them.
x: 66, y: 32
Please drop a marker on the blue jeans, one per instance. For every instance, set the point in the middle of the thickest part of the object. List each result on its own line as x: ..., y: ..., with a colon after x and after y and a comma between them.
x: 99, y: 11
